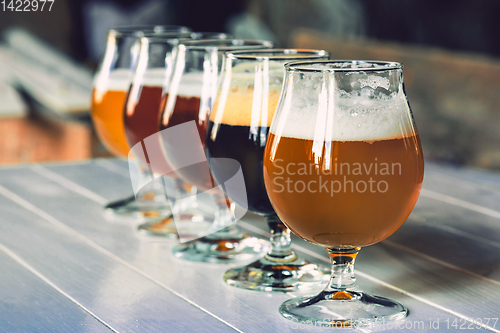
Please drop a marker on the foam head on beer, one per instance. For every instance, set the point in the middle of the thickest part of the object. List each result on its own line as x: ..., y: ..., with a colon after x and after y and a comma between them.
x: 367, y: 112
x: 116, y: 80
x: 251, y: 85
x: 238, y: 127
x: 154, y: 77
x: 246, y: 97
x: 191, y: 85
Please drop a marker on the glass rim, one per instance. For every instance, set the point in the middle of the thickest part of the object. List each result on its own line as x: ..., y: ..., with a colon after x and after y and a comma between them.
x: 178, y: 37
x: 231, y: 44
x: 377, y: 66
x: 281, y: 54
x: 139, y: 30
x: 209, y: 33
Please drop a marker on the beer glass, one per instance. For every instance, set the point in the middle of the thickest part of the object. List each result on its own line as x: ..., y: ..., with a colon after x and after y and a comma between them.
x: 142, y: 113
x: 111, y: 84
x: 189, y: 98
x: 237, y: 129
x: 343, y: 168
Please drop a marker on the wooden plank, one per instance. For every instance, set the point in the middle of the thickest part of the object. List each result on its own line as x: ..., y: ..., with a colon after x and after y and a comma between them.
x: 466, y: 184
x: 448, y: 217
x: 205, y: 287
x: 420, y: 310
x: 476, y: 256
x: 28, y: 304
x: 118, y: 294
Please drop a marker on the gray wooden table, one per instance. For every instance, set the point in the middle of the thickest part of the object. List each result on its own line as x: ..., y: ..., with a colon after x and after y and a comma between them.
x: 65, y: 268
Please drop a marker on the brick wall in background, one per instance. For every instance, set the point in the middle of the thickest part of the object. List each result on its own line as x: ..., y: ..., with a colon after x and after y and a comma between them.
x: 455, y: 97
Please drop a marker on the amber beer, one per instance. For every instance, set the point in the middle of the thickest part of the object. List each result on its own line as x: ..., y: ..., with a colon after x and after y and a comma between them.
x: 107, y: 113
x: 345, y: 193
x: 141, y: 120
x: 187, y: 108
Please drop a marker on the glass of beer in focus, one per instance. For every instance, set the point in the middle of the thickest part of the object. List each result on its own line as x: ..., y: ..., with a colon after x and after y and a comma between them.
x: 238, y: 128
x: 188, y: 101
x: 111, y: 85
x: 141, y: 119
x: 343, y: 168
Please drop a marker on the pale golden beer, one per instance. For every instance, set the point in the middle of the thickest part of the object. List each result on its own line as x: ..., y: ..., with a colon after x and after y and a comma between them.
x: 358, y: 193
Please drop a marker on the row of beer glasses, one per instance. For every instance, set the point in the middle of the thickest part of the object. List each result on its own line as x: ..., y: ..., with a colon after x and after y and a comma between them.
x: 230, y: 97
x: 237, y: 130
x: 111, y: 84
x: 190, y: 98
x: 151, y: 79
x: 119, y: 131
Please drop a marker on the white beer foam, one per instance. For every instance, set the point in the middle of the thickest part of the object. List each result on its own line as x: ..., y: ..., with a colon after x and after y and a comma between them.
x: 118, y: 80
x: 191, y: 85
x: 121, y: 79
x: 154, y: 77
x: 245, y: 75
x: 241, y: 109
x: 352, y: 118
x: 251, y: 95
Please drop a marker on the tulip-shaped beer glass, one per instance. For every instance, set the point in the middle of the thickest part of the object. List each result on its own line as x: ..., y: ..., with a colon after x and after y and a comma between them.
x: 237, y: 129
x: 142, y: 113
x: 111, y: 84
x: 343, y: 168
x: 189, y: 99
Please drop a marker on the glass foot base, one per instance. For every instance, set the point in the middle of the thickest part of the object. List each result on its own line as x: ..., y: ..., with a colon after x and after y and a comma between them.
x: 271, y: 276
x: 343, y: 309
x: 219, y: 250
x: 161, y: 228
x: 145, y: 207
x: 186, y: 225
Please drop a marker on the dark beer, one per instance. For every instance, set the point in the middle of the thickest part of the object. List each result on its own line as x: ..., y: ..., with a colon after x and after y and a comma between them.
x: 234, y: 136
x: 238, y: 143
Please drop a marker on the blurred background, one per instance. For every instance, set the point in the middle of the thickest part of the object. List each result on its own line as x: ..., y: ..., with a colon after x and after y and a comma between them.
x: 450, y: 49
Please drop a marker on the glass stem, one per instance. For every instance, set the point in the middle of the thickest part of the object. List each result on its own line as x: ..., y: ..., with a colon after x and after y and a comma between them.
x: 281, y: 249
x: 151, y: 186
x: 224, y: 212
x: 146, y: 185
x: 183, y: 196
x: 342, y: 280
